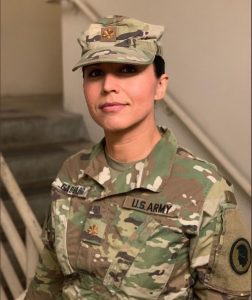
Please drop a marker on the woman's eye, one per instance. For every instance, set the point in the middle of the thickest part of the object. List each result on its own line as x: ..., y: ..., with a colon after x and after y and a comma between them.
x: 95, y: 73
x: 128, y: 69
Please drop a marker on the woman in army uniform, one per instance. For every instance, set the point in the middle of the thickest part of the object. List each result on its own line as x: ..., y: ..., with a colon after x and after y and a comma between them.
x: 137, y: 216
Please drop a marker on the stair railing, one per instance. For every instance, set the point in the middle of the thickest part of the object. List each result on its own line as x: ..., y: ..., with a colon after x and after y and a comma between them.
x: 25, y: 253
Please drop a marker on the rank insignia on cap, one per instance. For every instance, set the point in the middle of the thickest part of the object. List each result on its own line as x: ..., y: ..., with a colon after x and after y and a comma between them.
x: 108, y: 34
x: 240, y: 256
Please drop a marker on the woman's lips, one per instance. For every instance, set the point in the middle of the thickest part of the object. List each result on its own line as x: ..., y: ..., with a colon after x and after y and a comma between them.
x: 112, y: 107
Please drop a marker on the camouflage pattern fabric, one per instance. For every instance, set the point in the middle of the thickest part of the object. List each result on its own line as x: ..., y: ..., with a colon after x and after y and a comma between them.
x: 120, y: 39
x: 166, y: 227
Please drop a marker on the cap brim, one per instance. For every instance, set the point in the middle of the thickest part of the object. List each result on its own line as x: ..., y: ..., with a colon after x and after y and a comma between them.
x: 115, y: 55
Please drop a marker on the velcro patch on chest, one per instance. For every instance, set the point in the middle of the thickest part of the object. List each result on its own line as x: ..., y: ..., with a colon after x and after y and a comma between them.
x: 149, y: 207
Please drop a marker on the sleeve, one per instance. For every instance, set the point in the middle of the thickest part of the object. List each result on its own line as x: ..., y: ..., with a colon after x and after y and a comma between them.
x: 48, y: 280
x: 220, y: 255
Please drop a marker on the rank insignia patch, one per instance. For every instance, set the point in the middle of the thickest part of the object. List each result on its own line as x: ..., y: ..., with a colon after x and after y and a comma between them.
x: 240, y: 256
x: 108, y: 34
x: 93, y: 230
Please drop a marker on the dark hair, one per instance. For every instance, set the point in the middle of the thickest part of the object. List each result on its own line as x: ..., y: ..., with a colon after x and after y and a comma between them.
x: 159, y: 66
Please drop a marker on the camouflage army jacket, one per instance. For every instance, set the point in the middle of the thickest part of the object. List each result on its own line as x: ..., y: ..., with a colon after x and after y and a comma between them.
x: 167, y: 227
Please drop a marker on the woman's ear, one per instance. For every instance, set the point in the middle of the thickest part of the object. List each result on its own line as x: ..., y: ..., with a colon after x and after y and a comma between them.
x: 161, y: 87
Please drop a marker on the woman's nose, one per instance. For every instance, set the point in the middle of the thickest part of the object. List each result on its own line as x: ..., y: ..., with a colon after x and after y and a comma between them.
x: 111, y: 83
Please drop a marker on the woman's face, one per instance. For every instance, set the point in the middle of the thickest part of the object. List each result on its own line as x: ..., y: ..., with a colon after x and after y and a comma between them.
x: 121, y: 96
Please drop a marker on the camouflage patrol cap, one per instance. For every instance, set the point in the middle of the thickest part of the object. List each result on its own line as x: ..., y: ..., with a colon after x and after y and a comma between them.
x: 120, y: 39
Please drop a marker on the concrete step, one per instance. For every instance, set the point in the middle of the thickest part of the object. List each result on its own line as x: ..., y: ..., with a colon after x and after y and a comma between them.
x: 36, y: 137
x: 32, y: 128
x: 40, y: 163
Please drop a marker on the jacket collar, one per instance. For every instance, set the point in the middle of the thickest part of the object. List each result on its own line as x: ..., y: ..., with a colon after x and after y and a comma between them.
x: 150, y: 173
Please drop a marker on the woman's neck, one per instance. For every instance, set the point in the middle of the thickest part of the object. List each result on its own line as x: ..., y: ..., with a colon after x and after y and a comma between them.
x: 131, y: 146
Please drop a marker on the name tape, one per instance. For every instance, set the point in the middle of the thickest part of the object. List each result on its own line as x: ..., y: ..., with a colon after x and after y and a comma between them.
x: 74, y: 190
x: 148, y: 206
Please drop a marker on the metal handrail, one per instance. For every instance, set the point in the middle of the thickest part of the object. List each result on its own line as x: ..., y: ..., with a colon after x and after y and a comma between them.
x: 9, y: 273
x: 185, y: 118
x: 87, y: 9
x: 13, y: 237
x: 84, y: 6
x: 208, y: 144
x: 26, y: 254
x: 21, y: 204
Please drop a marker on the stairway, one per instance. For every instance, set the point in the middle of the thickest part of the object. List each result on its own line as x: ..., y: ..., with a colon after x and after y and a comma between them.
x: 37, y: 135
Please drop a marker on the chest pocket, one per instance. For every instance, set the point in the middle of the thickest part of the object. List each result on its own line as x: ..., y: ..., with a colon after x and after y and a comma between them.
x: 146, y: 254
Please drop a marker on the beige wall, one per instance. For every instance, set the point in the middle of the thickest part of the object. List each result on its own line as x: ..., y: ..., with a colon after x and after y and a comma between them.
x: 31, y: 58
x: 207, y: 51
